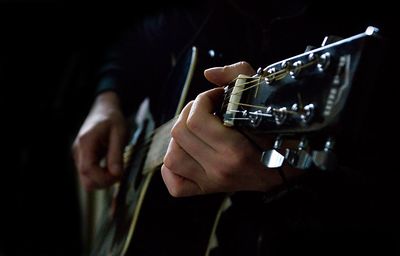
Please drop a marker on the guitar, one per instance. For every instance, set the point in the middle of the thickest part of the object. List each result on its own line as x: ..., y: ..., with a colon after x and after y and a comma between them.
x: 141, y: 197
x: 309, y: 96
x: 315, y: 97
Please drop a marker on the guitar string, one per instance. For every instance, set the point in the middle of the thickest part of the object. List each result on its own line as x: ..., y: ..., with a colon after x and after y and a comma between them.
x: 146, y: 141
x: 278, y: 75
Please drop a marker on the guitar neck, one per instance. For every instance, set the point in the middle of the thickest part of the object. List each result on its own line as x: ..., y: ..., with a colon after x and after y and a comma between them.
x: 158, y: 147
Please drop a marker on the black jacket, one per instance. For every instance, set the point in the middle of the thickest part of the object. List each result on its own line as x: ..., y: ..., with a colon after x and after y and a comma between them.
x: 347, y: 211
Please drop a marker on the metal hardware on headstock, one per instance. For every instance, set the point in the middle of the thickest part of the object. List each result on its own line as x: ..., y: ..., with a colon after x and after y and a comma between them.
x: 299, y: 158
x: 296, y: 68
x: 272, y: 158
x: 303, y: 114
x: 323, y: 61
x: 325, y: 159
x: 304, y: 95
x: 273, y: 114
x: 302, y: 157
x: 320, y: 77
x: 270, y: 75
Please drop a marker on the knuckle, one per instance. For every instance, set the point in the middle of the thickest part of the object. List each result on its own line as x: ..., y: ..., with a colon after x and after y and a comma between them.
x: 173, y: 182
x: 81, y: 140
x: 169, y: 161
x: 245, y: 67
x: 222, y: 172
x: 237, y: 159
x: 177, y: 130
x: 202, y: 97
x: 244, y: 63
x: 193, y: 123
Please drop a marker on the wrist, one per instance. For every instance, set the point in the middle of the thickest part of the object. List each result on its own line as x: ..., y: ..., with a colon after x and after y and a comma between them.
x: 108, y: 98
x: 107, y: 102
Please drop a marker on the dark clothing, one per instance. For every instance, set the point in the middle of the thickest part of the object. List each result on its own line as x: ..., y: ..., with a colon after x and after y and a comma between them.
x: 347, y: 211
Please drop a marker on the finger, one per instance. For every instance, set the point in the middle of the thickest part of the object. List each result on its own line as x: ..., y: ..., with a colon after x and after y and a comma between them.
x: 115, y: 153
x: 178, y: 186
x: 87, y: 183
x: 189, y: 142
x: 182, y: 164
x: 223, y: 75
x: 89, y: 168
x: 205, y: 125
x: 95, y: 179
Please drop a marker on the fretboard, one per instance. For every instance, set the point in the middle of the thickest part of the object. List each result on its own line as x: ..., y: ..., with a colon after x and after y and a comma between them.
x: 158, y: 147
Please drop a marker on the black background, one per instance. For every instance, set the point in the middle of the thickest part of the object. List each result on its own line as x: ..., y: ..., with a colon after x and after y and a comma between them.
x: 49, y: 52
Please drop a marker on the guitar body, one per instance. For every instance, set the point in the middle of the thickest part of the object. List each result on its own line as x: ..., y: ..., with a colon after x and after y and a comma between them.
x: 142, y: 217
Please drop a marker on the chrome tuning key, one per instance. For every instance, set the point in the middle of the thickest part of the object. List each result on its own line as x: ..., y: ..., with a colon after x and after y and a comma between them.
x: 299, y: 158
x: 303, y: 114
x: 325, y: 159
x: 272, y: 158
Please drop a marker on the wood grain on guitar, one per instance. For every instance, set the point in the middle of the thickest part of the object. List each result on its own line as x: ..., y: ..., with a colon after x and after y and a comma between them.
x: 309, y: 97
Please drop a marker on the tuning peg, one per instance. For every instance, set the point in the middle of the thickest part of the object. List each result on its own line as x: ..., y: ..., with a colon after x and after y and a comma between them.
x: 299, y: 158
x: 272, y: 158
x: 325, y: 159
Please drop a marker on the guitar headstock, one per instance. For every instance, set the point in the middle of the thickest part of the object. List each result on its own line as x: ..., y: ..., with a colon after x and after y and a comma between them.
x: 301, y: 96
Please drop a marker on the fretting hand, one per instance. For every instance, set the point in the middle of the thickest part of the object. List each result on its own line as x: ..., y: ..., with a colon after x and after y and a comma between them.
x: 204, y: 156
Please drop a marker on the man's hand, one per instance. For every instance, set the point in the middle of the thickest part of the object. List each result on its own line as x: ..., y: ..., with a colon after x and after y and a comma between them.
x: 204, y: 156
x: 101, y: 138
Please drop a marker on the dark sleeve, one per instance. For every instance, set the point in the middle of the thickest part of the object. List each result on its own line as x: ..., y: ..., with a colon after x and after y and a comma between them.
x: 137, y: 65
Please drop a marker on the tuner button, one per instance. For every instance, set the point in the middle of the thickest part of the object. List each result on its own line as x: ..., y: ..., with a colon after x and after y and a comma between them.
x: 299, y: 159
x: 325, y: 159
x: 272, y: 158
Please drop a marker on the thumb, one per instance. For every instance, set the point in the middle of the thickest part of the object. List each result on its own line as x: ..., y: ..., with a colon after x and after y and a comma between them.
x: 223, y: 75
